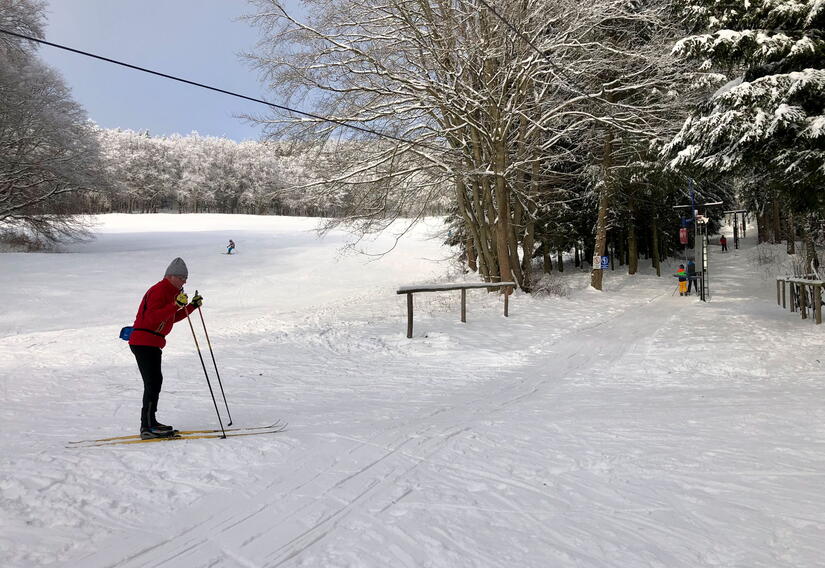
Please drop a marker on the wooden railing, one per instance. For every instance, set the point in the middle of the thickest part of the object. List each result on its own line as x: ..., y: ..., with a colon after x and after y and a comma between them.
x: 802, y: 292
x: 410, y: 290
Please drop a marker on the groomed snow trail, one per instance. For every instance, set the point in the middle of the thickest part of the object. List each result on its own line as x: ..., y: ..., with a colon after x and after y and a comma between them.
x: 618, y: 429
x: 347, y: 493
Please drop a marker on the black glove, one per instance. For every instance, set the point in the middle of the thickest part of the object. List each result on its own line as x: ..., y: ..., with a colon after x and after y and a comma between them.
x: 197, y: 300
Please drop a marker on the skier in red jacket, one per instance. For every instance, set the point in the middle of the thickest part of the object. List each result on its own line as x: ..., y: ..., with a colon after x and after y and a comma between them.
x: 163, y: 304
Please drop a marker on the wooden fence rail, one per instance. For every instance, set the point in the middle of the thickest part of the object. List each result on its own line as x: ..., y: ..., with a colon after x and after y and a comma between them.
x: 410, y: 290
x: 800, y: 290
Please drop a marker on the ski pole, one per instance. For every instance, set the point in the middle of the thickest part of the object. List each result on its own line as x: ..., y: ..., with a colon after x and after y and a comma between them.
x: 212, y: 353
x: 198, y: 347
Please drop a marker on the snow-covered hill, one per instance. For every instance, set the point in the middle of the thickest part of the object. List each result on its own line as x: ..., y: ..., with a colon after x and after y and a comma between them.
x: 627, y: 428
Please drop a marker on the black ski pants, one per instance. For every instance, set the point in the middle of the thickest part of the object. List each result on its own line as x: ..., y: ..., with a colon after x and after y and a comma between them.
x: 148, y: 362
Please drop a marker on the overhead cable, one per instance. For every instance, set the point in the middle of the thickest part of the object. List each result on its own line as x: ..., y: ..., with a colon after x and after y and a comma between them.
x: 224, y: 91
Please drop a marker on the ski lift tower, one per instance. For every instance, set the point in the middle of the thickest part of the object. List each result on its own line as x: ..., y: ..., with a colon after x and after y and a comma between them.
x: 701, y: 223
x: 736, y: 213
x: 700, y: 231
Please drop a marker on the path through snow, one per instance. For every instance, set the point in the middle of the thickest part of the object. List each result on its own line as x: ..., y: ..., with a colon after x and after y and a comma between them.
x: 625, y: 428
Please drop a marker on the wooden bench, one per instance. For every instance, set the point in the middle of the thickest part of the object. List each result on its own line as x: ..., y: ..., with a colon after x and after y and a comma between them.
x: 410, y: 290
x: 799, y: 295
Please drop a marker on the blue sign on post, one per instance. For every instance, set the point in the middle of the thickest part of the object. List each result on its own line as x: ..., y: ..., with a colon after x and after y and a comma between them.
x: 605, y: 262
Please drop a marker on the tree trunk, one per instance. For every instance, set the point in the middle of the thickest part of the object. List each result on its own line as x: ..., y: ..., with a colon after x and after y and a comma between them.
x: 791, y: 234
x: 632, y: 252
x: 503, y: 220
x: 776, y: 222
x: 596, y: 275
x: 654, y: 243
x: 560, y: 260
x: 632, y: 241
x: 471, y: 255
x: 621, y: 249
x: 473, y: 213
x: 527, y: 260
x: 480, y: 222
x: 547, y: 260
x: 516, y: 235
x: 762, y: 228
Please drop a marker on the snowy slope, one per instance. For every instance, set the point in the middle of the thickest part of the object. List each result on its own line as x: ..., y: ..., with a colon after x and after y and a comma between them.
x: 627, y: 428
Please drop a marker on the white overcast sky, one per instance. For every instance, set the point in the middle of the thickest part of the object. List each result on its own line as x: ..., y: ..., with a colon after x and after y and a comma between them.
x: 198, y: 40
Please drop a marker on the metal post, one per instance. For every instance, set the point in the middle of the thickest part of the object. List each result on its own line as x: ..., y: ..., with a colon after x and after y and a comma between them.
x: 704, y: 259
x: 736, y: 230
x: 707, y: 263
x: 409, y: 314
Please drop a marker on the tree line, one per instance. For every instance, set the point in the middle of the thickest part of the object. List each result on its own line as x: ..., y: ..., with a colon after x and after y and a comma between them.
x: 206, y: 174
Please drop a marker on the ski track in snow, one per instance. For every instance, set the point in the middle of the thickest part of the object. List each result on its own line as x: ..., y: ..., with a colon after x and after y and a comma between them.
x: 626, y: 428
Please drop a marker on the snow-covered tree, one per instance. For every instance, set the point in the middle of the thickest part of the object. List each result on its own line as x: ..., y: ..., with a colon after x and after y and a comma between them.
x: 617, y: 54
x: 197, y: 173
x: 443, y: 76
x: 768, y: 117
x: 503, y: 124
x: 48, y: 151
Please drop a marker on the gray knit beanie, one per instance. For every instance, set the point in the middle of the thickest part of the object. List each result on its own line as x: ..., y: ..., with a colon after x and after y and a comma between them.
x: 177, y: 268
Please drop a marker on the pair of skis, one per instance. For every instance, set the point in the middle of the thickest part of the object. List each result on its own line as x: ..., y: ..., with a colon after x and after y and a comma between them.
x: 275, y: 428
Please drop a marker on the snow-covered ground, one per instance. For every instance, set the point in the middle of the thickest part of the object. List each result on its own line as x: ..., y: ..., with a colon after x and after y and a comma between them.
x: 629, y: 428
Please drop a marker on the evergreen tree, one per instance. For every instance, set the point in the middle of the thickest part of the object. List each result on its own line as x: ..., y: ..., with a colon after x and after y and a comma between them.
x: 768, y: 120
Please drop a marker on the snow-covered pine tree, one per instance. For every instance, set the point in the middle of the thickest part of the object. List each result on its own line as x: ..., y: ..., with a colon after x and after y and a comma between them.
x: 769, y: 116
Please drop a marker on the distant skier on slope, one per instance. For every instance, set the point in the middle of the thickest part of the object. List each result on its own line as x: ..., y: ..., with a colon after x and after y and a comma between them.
x: 230, y: 247
x: 163, y: 304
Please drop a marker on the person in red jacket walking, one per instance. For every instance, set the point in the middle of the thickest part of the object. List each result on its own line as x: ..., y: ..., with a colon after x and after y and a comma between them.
x: 162, y: 305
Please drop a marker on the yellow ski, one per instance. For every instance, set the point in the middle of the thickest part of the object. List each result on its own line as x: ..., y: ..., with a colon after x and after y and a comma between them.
x: 276, y: 425
x: 195, y: 436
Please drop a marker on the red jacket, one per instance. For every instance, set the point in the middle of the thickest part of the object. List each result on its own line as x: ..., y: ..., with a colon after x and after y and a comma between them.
x: 156, y: 315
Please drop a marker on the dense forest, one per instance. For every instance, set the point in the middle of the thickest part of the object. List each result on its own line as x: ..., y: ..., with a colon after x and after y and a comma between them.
x: 535, y: 128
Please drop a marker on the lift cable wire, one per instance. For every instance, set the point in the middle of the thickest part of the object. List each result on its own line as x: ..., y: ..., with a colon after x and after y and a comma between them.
x: 225, y: 92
